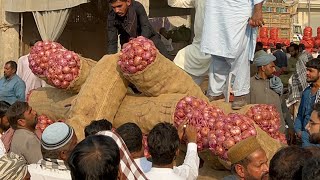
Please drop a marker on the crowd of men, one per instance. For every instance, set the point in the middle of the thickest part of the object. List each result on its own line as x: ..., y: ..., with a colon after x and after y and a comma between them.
x: 228, y: 54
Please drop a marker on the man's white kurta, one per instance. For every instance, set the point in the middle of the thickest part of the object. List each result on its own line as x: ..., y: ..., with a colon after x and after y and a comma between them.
x: 190, y: 58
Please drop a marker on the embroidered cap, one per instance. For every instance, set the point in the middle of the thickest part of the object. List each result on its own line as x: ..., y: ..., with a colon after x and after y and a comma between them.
x: 56, y: 136
x: 263, y: 59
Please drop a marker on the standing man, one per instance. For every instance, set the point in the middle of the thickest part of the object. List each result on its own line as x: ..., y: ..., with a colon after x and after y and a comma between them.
x: 12, y: 87
x: 25, y: 73
x: 24, y: 141
x: 129, y: 19
x: 229, y: 35
x: 281, y: 61
x: 310, y: 96
x: 190, y: 58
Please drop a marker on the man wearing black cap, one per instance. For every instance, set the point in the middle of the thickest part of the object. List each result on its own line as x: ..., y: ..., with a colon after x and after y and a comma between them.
x: 57, y: 142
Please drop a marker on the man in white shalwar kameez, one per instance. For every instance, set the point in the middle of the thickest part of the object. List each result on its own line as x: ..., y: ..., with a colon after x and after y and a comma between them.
x: 25, y: 73
x: 190, y: 58
x: 229, y: 35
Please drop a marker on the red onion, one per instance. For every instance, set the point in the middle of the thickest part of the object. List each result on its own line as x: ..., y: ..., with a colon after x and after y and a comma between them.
x: 43, y: 122
x: 64, y: 68
x: 228, y: 131
x: 40, y: 54
x: 136, y: 55
x: 266, y: 117
x: 198, y: 113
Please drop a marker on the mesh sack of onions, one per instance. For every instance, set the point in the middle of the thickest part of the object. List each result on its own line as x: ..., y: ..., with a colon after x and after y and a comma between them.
x: 43, y: 122
x: 227, y: 131
x: 39, y: 56
x: 268, y: 119
x: 198, y: 113
x: 152, y: 73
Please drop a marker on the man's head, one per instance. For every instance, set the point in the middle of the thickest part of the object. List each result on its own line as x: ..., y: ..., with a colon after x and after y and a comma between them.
x: 259, y: 46
x: 4, y: 123
x: 120, y: 7
x: 163, y: 144
x: 249, y: 160
x: 265, y: 64
x: 288, y: 162
x: 313, y: 126
x: 57, y: 141
x: 311, y: 169
x: 22, y: 116
x: 96, y: 157
x: 10, y: 69
x: 132, y: 137
x: 302, y: 47
x: 96, y: 126
x: 278, y: 46
x: 313, y: 70
x: 294, y: 50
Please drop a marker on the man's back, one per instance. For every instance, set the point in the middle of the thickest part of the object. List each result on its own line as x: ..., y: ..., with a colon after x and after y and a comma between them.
x: 26, y: 143
x: 281, y: 60
x: 162, y: 174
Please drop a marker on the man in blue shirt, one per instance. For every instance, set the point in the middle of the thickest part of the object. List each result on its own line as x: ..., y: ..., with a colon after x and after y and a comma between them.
x: 12, y: 87
x: 310, y: 96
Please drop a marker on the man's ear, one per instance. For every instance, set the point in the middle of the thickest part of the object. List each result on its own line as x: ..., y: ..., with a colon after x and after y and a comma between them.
x: 240, y: 170
x: 21, y: 122
x: 129, y: 2
x: 263, y: 68
x: 63, y: 155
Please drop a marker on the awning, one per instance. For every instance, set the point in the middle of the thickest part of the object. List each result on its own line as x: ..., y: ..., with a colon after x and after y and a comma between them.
x: 40, y: 5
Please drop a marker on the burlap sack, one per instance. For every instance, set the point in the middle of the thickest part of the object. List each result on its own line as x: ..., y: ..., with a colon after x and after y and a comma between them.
x: 53, y: 102
x: 164, y: 77
x: 85, y: 67
x: 226, y: 107
x: 268, y: 144
x: 146, y: 112
x: 100, y: 96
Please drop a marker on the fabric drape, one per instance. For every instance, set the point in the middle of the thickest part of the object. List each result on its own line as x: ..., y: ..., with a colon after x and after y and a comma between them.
x: 51, y: 23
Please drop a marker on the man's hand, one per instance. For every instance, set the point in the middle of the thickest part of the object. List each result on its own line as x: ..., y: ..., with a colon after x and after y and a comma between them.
x: 181, y: 129
x: 191, y: 134
x: 291, y: 137
x: 257, y: 20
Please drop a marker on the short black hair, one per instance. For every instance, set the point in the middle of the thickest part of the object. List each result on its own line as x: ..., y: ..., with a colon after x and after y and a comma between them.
x: 12, y: 64
x: 278, y: 46
x: 295, y: 46
x: 313, y: 63
x: 4, y: 106
x: 259, y: 45
x: 15, y: 112
x: 163, y: 143
x: 96, y: 126
x: 311, y: 169
x: 112, y: 1
x: 95, y: 158
x: 288, y: 162
x: 302, y: 46
x: 131, y: 135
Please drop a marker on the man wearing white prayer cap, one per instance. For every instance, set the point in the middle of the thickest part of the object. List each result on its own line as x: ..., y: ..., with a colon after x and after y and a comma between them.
x: 57, y: 142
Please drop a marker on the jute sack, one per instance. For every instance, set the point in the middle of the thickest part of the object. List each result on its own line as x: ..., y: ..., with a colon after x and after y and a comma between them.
x: 226, y: 107
x: 146, y: 112
x: 268, y: 144
x: 100, y: 96
x: 53, y: 102
x: 86, y: 65
x: 164, y: 77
